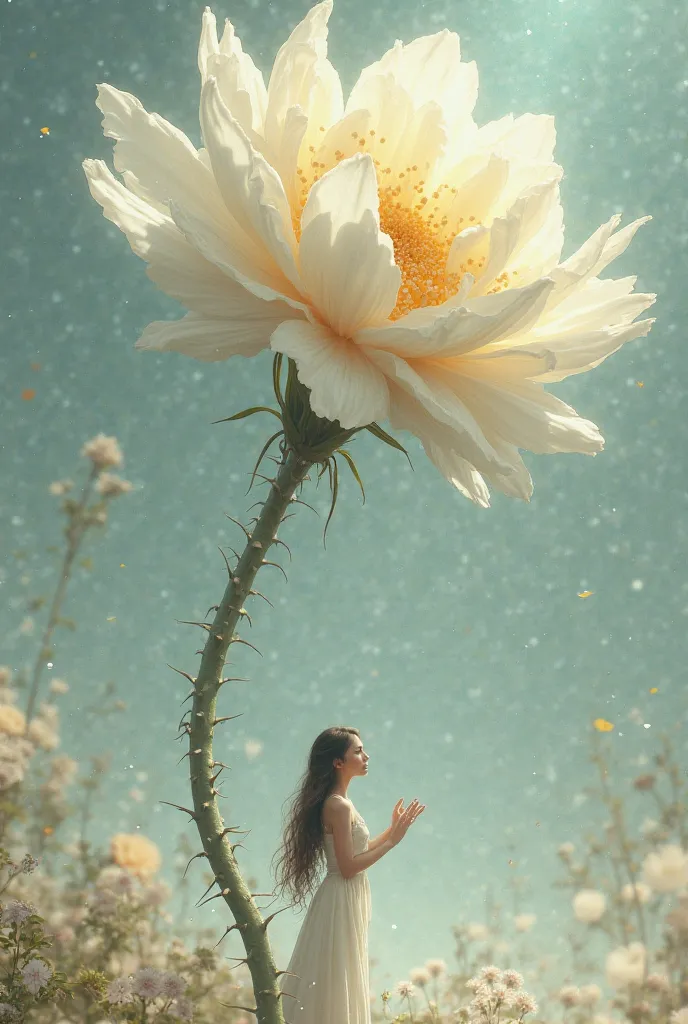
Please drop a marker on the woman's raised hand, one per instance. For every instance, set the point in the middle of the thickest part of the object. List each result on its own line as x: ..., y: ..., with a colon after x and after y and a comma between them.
x: 402, y: 824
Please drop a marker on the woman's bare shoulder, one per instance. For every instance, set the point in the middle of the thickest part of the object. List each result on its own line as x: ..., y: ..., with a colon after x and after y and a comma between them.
x: 333, y: 804
x: 337, y: 800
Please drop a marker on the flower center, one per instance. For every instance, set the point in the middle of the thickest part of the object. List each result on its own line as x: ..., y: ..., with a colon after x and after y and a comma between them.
x: 421, y: 233
x: 421, y: 246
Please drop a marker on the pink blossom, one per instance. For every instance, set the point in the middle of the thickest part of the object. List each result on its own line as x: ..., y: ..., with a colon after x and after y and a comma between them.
x: 147, y: 983
x: 172, y: 986
x: 16, y: 912
x: 36, y: 975
x: 119, y: 991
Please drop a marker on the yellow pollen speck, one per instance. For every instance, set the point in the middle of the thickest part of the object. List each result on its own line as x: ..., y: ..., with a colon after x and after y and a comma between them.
x: 420, y: 252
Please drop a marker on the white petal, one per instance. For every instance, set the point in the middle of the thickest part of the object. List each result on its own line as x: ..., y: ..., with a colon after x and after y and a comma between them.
x: 344, y: 385
x: 592, y: 257
x: 304, y: 93
x: 511, y: 233
x: 456, y: 332
x: 161, y: 158
x: 212, y: 246
x: 524, y: 415
x: 467, y: 480
x: 476, y: 197
x: 174, y: 264
x: 241, y: 84
x: 214, y: 340
x: 518, y: 482
x: 454, y: 423
x: 347, y: 263
x: 164, y: 168
x: 250, y: 187
x: 577, y: 353
x: 429, y: 69
x: 597, y: 303
x: 412, y: 136
x: 529, y: 138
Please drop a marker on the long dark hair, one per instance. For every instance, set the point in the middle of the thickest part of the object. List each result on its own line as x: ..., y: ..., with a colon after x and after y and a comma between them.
x: 301, y: 852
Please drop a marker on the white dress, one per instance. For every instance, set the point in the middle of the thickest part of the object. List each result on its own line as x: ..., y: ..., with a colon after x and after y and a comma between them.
x: 331, y: 952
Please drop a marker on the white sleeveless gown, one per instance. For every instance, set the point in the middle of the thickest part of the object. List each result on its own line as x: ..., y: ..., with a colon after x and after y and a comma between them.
x: 331, y: 952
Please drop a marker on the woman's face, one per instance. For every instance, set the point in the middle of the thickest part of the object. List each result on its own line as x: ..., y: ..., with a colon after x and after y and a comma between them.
x: 356, y: 760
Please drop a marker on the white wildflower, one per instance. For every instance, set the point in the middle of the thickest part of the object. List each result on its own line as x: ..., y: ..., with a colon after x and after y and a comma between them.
x: 112, y: 486
x: 524, y: 922
x: 666, y: 870
x: 626, y: 965
x: 103, y: 451
x: 119, y: 991
x: 589, y: 905
x: 36, y: 975
x: 640, y: 891
x: 589, y: 994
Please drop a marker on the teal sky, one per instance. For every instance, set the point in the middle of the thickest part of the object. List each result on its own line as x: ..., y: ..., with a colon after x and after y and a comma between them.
x: 453, y: 637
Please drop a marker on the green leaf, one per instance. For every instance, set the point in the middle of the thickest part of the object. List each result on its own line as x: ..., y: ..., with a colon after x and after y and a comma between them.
x: 382, y: 435
x: 249, y: 412
x: 260, y: 457
x: 276, y: 374
x: 352, y: 467
x: 334, y: 487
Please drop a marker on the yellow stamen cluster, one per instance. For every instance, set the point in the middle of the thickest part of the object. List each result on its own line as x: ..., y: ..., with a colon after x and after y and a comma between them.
x: 421, y: 234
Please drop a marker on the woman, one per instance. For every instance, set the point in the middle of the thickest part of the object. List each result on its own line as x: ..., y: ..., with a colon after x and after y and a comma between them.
x: 327, y: 980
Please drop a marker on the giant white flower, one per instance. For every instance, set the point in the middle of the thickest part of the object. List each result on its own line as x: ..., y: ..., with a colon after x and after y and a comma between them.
x: 405, y: 258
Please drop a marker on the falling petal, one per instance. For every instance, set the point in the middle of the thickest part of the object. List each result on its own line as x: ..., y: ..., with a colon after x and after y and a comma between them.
x: 602, y: 725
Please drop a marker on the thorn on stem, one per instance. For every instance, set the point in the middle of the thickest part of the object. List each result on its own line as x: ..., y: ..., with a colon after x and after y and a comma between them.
x: 192, y: 679
x: 178, y: 807
x: 238, y: 640
x: 276, y: 540
x: 225, y: 718
x: 201, y: 854
x: 237, y: 523
x: 257, y: 593
x: 277, y: 566
x: 267, y: 920
x: 215, y: 896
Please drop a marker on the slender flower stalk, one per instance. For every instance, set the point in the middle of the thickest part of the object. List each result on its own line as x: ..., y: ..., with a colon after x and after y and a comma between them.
x: 75, y: 532
x: 103, y: 453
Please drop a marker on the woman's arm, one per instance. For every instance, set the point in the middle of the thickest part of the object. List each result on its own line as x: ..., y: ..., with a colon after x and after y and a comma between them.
x: 379, y: 840
x: 349, y: 864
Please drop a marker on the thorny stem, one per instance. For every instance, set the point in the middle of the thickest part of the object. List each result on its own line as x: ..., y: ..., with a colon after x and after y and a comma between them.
x: 75, y: 534
x: 214, y: 836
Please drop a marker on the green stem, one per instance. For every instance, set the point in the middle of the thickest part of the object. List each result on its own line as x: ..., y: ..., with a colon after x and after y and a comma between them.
x: 75, y: 534
x: 292, y: 472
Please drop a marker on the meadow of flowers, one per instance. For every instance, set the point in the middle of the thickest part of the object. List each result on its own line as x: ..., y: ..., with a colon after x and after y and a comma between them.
x: 86, y: 933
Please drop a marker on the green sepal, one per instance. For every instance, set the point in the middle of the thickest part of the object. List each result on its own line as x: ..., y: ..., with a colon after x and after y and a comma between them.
x: 249, y: 412
x: 382, y: 435
x: 352, y: 466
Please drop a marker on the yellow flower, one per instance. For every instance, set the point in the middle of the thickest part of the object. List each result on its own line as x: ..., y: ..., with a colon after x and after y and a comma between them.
x: 136, y: 853
x: 12, y: 721
x: 407, y: 259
